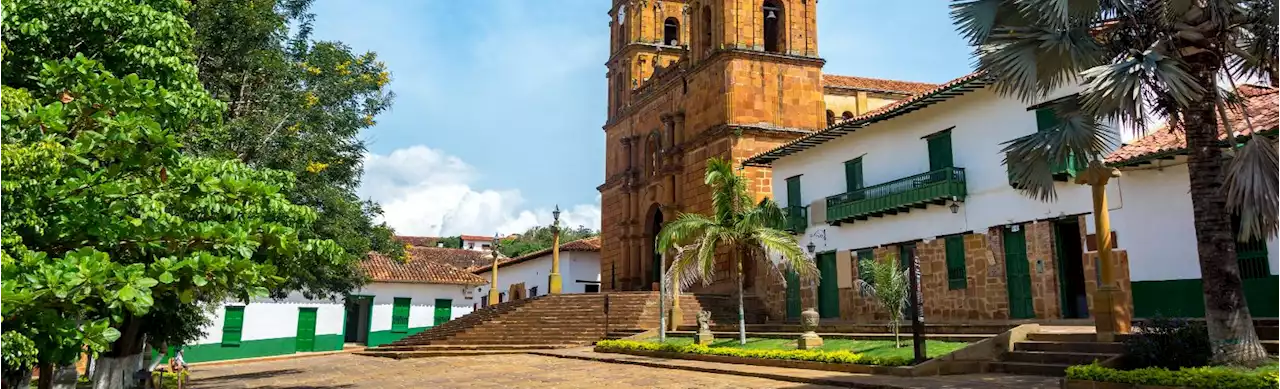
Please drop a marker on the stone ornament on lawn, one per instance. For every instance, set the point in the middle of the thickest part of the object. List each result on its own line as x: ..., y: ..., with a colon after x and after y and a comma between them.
x: 809, y: 323
x: 704, y: 335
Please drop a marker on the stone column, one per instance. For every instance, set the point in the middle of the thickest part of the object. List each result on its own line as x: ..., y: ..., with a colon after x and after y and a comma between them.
x: 1109, y: 314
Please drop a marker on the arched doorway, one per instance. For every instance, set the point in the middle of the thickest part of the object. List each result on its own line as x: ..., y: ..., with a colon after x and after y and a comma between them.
x: 655, y: 266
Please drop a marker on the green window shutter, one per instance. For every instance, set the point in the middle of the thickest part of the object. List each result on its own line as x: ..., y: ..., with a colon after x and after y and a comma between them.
x: 853, y: 174
x: 793, y: 192
x: 1046, y: 118
x: 400, y: 315
x: 940, y: 151
x: 955, y: 263
x: 232, y: 326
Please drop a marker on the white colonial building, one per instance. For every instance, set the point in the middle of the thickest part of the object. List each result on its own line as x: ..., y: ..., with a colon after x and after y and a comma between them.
x: 924, y: 177
x: 529, y: 274
x: 1153, y: 220
x: 401, y: 298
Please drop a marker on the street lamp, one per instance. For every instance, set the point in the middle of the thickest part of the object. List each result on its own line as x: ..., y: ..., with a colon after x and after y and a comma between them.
x: 811, y: 247
x: 553, y: 280
x: 493, y: 284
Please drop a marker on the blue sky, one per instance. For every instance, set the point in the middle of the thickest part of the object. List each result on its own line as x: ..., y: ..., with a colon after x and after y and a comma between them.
x: 500, y: 103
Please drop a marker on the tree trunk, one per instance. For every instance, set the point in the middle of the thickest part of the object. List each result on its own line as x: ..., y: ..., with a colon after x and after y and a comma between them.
x: 46, y: 375
x: 115, y: 368
x: 1230, y: 326
x: 65, y: 376
x: 742, y: 317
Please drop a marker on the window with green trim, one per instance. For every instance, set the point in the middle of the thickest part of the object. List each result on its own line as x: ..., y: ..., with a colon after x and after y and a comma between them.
x: 940, y: 151
x: 400, y: 315
x: 793, y: 192
x: 853, y: 174
x: 1046, y: 118
x: 955, y: 262
x: 232, y: 325
x: 864, y: 265
x: 1251, y: 255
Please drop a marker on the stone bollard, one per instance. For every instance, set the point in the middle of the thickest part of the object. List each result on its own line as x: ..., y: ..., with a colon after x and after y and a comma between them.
x: 704, y: 336
x: 809, y: 323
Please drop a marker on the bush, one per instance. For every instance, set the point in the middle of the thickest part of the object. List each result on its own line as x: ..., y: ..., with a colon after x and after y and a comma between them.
x: 1168, y: 343
x: 841, y: 356
x: 1192, y: 377
x: 170, y: 379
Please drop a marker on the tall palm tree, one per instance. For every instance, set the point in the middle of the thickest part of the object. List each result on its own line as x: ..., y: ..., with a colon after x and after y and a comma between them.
x: 736, y: 225
x: 1138, y: 60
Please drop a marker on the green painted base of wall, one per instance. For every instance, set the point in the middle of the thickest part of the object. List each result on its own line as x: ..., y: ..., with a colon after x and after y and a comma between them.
x: 378, y: 338
x: 1185, y: 298
x: 250, y: 349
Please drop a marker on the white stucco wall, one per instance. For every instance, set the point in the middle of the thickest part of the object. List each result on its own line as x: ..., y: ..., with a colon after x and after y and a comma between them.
x: 1155, y: 223
x: 421, y: 305
x: 574, y: 266
x: 893, y: 149
x: 268, y: 319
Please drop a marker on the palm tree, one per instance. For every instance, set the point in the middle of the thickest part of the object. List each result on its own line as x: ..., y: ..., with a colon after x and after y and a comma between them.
x: 737, y: 226
x: 888, y: 287
x: 1138, y: 60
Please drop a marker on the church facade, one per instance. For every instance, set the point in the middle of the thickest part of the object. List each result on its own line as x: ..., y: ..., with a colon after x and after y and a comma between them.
x: 691, y: 80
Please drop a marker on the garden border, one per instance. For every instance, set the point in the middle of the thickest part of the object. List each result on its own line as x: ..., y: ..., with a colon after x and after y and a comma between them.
x: 903, y: 371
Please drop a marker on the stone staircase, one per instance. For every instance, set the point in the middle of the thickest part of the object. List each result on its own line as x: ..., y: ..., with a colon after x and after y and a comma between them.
x: 1049, y: 354
x: 550, y: 321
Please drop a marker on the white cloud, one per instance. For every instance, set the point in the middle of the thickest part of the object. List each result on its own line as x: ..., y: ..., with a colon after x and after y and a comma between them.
x: 427, y: 192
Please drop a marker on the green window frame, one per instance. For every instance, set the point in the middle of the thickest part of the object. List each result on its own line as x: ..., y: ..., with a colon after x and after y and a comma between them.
x: 940, y: 154
x: 956, y: 277
x: 853, y: 179
x: 793, y: 192
x: 400, y: 314
x: 232, y: 325
x: 1046, y: 118
x: 865, y: 257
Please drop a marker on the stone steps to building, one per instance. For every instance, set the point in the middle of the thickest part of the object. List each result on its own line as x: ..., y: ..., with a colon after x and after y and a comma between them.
x: 1071, y: 347
x: 1268, y: 332
x: 1272, y: 346
x: 476, y: 347
x: 430, y: 354
x: 1029, y: 368
x: 1070, y: 337
x: 989, y: 330
x: 1058, y: 358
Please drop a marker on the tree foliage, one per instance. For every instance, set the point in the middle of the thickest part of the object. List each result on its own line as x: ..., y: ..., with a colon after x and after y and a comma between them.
x: 540, y: 238
x: 296, y: 105
x: 737, y: 225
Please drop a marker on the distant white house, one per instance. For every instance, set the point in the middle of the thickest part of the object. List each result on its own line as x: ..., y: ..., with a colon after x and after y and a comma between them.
x: 529, y: 273
x: 402, y: 298
x: 478, y: 243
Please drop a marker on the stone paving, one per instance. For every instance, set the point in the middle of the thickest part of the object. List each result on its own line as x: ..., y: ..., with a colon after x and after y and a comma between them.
x: 491, y: 371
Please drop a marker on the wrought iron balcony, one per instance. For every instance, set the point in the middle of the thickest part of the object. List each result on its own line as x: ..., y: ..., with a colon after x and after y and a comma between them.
x: 797, y: 218
x: 898, y: 196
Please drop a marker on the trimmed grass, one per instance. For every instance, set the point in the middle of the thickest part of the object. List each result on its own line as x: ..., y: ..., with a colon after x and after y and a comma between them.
x: 870, y: 348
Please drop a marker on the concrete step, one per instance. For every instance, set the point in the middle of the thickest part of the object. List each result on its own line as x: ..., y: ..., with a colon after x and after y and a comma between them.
x: 1067, y: 337
x: 1057, y: 358
x: 859, y: 328
x: 970, y: 338
x: 1071, y: 347
x: 1027, y: 368
x: 429, y: 354
x: 1268, y: 332
x: 1272, y: 346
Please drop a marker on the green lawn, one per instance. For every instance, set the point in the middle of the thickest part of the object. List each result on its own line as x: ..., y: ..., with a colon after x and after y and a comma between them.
x: 871, y: 348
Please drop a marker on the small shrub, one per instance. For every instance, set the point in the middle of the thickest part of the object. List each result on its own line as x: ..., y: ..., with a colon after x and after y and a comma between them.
x: 169, y: 379
x: 1168, y: 343
x: 840, y: 356
x: 1191, y: 377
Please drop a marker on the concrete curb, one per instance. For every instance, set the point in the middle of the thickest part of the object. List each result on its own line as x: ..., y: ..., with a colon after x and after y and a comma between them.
x: 273, y: 358
x: 771, y: 376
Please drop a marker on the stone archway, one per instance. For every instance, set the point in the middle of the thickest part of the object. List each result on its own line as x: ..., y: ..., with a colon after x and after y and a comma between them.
x: 653, y: 225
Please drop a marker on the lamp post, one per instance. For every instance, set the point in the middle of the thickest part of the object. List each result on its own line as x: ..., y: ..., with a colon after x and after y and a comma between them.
x: 812, y: 247
x: 493, y: 284
x: 1109, y: 314
x: 554, y: 281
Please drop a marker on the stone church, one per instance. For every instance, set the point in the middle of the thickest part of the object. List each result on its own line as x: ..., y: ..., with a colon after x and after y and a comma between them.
x: 696, y: 79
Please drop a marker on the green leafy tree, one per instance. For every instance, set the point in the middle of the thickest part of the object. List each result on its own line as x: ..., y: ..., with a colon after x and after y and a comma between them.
x: 1139, y: 60
x: 888, y: 287
x: 541, y: 238
x: 737, y: 225
x: 296, y: 105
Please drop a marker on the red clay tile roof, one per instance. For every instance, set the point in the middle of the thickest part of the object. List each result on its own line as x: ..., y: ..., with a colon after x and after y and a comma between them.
x: 933, y: 95
x: 421, y: 241
x: 417, y: 268
x: 459, y: 258
x: 1261, y: 103
x: 477, y: 237
x: 876, y: 84
x: 588, y: 244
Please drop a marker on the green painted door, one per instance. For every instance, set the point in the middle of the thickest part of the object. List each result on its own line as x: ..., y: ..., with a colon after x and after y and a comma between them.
x: 1017, y: 274
x: 828, y: 290
x: 793, y: 295
x: 444, y: 312
x: 306, y: 338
